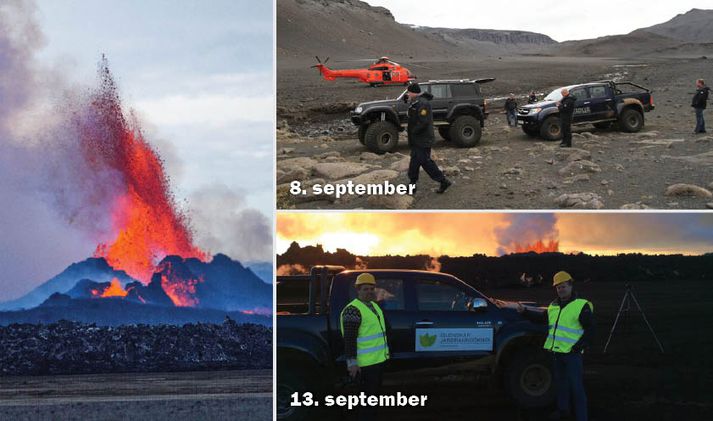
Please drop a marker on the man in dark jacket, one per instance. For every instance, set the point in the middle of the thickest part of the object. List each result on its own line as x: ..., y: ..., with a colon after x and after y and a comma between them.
x: 511, y: 110
x: 566, y: 110
x: 700, y: 100
x: 532, y: 98
x: 571, y: 326
x: 421, y: 138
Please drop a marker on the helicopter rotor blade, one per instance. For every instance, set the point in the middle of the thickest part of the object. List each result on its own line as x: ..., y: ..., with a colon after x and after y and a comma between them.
x: 325, y: 61
x: 318, y: 60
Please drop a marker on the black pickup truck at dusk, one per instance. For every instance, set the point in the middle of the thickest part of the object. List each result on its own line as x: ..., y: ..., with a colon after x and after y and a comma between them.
x: 433, y: 320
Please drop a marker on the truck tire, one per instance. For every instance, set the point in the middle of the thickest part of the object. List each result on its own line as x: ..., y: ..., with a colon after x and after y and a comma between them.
x: 529, y: 378
x: 445, y: 132
x: 381, y: 137
x: 465, y: 131
x: 362, y: 133
x: 631, y: 120
x: 531, y: 131
x: 551, y: 129
x: 289, y: 382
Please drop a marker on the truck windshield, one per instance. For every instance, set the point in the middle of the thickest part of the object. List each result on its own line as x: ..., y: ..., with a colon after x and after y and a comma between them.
x: 555, y: 95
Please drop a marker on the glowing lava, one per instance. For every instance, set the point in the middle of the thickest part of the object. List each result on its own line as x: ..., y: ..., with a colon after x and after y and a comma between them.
x: 179, y: 287
x: 146, y: 224
x: 114, y: 290
x: 539, y: 246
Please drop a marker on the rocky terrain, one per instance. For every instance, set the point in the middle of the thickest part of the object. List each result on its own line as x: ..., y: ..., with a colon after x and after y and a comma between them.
x: 67, y: 347
x: 665, y: 166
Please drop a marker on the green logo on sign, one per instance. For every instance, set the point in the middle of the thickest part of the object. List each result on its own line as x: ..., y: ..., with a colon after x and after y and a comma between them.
x: 427, y: 340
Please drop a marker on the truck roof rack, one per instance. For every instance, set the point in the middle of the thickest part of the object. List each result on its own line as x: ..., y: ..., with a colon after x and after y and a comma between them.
x: 483, y: 80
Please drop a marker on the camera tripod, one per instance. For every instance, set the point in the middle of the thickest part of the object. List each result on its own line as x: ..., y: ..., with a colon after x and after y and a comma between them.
x: 626, y: 301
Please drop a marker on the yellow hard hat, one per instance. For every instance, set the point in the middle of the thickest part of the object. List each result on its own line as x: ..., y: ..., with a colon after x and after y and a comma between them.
x: 560, y: 277
x: 365, y: 278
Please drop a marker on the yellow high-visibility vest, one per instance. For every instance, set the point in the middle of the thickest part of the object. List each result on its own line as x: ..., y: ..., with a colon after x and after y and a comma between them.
x: 371, y: 340
x: 565, y: 329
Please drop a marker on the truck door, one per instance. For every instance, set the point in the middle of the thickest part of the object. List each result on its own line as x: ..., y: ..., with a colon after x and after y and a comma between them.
x: 444, y: 329
x: 391, y: 298
x: 583, y: 105
x: 441, y: 96
x: 602, y: 103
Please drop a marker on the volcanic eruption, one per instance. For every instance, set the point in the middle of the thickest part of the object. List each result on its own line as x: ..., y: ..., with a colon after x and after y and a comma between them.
x: 145, y: 222
x: 526, y: 233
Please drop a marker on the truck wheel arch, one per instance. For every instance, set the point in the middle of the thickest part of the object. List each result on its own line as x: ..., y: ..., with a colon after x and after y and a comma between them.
x: 389, y: 115
x: 465, y: 109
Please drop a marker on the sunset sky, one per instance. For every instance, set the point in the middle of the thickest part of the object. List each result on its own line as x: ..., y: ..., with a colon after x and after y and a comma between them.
x: 464, y: 234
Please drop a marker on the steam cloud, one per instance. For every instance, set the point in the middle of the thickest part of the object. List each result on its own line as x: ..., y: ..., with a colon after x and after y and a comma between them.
x: 222, y: 223
x: 526, y: 229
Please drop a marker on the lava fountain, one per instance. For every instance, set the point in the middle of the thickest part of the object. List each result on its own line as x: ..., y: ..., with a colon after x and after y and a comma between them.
x: 146, y: 224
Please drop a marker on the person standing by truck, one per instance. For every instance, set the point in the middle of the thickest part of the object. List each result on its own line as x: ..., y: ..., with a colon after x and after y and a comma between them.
x: 566, y: 111
x: 571, y: 326
x: 365, y: 344
x: 700, y: 100
x: 511, y: 110
x: 421, y: 137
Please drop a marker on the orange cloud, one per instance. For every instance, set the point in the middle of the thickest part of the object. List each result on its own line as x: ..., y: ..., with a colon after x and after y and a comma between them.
x: 464, y: 234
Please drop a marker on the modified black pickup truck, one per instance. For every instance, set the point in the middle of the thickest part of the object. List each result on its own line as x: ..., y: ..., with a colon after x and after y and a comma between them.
x: 458, y: 112
x: 433, y: 320
x: 600, y: 103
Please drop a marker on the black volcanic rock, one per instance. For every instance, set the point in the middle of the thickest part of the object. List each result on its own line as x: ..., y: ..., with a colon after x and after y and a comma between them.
x: 152, y: 293
x: 72, y: 348
x: 115, y: 311
x: 84, y: 288
x: 95, y: 269
x: 57, y: 300
x: 481, y: 270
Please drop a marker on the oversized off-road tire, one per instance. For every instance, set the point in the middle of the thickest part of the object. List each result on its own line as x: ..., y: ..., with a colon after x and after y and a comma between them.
x: 531, y: 131
x: 529, y: 378
x: 381, y: 137
x: 603, y: 125
x: 631, y: 120
x: 465, y: 131
x: 445, y: 132
x: 551, y: 128
x: 362, y: 133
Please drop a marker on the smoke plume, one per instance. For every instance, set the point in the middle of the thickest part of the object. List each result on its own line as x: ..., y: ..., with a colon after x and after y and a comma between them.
x: 527, y: 232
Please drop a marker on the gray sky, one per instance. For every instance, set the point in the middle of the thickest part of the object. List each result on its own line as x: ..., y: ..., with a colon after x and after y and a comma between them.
x: 561, y: 20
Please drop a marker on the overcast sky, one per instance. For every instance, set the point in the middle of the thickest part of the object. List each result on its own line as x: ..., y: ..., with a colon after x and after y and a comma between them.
x: 561, y: 20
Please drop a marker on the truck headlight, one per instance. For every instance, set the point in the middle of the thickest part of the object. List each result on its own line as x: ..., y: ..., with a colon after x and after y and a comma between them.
x: 535, y: 110
x: 358, y: 109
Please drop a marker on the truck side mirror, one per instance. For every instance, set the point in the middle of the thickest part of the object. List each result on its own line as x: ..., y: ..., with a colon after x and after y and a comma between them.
x: 477, y: 304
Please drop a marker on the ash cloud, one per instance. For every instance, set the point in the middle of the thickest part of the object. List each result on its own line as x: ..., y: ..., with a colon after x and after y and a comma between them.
x: 221, y: 222
x: 35, y: 239
x: 524, y: 229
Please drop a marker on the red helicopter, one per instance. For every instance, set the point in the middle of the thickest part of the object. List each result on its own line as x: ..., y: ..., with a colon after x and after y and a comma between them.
x: 382, y: 72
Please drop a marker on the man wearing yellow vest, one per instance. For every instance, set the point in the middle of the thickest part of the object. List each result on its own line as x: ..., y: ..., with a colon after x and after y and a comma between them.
x: 571, y: 326
x: 364, y: 330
